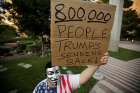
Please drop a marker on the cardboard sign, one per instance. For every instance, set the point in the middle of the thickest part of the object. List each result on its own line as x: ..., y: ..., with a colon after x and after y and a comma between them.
x: 80, y: 31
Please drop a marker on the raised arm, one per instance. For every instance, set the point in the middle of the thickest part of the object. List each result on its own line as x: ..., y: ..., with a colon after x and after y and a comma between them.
x: 90, y: 70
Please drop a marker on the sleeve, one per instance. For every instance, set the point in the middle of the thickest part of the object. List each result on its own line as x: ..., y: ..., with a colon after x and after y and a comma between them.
x: 74, y: 81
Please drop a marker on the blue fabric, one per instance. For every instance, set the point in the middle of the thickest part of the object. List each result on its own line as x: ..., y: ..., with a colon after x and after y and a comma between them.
x: 42, y: 88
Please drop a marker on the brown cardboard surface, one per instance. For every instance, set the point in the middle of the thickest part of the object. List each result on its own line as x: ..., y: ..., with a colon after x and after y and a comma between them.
x: 80, y: 31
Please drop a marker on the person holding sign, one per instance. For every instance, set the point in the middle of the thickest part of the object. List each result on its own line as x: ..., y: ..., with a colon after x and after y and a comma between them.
x: 80, y: 34
x: 66, y: 83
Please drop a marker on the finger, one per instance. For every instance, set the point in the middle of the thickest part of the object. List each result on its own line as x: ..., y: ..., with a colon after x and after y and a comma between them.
x: 105, y: 57
x: 106, y: 54
x: 105, y: 60
x: 102, y: 59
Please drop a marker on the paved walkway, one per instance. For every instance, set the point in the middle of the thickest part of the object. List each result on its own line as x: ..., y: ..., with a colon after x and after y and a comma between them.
x: 129, y: 45
x: 119, y: 76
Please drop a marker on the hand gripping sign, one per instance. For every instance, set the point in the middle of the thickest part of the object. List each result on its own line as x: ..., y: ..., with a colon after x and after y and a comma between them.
x: 80, y: 31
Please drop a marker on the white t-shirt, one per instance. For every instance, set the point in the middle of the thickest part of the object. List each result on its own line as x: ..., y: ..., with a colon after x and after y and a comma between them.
x: 68, y: 84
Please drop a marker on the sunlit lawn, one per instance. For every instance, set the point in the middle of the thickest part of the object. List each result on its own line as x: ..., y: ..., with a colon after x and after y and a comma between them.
x: 125, y: 54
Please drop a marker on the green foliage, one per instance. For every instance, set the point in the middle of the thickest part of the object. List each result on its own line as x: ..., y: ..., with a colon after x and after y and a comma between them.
x: 129, y: 19
x: 129, y: 16
x: 130, y: 23
x: 127, y: 3
x: 105, y: 1
x: 29, y: 45
x: 7, y: 33
x: 35, y: 48
x: 33, y: 15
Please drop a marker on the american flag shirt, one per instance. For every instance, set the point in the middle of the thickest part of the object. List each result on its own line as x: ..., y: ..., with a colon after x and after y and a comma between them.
x: 68, y: 83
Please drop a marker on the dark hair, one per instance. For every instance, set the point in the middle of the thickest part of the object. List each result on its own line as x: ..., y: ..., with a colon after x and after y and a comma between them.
x: 48, y: 65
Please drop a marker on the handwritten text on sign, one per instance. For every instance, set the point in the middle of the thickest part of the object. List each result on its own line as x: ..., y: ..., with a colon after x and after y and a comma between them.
x: 80, y: 32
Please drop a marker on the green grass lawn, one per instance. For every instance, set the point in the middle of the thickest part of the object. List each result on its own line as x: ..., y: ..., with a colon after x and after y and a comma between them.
x: 25, y: 80
x: 125, y: 54
x: 20, y: 78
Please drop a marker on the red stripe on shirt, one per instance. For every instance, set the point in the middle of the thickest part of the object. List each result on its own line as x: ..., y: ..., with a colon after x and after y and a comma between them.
x: 69, y: 84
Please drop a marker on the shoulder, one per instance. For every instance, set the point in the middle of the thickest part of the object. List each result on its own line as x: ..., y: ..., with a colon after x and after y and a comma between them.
x: 71, y: 75
x: 74, y: 77
x: 73, y: 80
x: 41, y: 86
x: 43, y: 83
